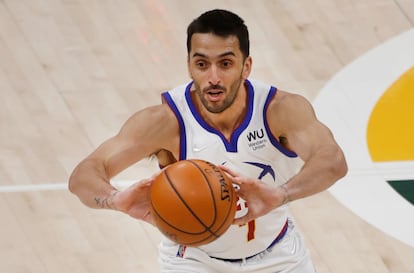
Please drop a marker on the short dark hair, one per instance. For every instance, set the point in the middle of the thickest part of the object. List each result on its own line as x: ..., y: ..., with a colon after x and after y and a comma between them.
x: 222, y: 23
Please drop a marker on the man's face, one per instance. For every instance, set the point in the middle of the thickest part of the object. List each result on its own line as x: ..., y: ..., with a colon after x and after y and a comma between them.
x: 218, y: 69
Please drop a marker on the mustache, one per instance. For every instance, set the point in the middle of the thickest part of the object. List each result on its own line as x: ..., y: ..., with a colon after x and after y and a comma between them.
x: 214, y: 87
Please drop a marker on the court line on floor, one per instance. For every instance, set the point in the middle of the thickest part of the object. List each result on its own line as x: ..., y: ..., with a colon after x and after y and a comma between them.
x: 52, y: 186
x: 389, y: 170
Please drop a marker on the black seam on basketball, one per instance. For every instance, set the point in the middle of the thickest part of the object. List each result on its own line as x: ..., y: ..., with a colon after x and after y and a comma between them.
x: 228, y: 213
x: 208, y: 228
x: 211, y: 193
x: 214, y: 199
x: 233, y: 193
x: 209, y: 233
x: 231, y: 199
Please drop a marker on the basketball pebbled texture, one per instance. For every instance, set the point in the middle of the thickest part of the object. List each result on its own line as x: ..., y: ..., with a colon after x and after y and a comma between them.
x: 192, y: 202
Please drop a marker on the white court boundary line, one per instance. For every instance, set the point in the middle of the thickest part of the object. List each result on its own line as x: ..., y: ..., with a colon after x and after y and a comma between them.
x: 389, y: 170
x: 345, y: 105
x: 53, y: 186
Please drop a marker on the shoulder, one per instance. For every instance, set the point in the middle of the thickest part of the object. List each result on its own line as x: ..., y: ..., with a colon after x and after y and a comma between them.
x: 286, y: 98
x: 151, y: 114
x: 155, y: 123
x: 286, y: 103
x: 288, y: 111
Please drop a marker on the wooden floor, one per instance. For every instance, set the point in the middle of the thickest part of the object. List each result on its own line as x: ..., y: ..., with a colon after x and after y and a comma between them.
x: 72, y: 71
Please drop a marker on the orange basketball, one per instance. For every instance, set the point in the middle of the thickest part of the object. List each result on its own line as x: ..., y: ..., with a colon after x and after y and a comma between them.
x: 192, y: 202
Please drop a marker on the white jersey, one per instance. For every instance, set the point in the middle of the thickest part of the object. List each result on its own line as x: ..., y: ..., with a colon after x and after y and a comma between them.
x: 252, y: 151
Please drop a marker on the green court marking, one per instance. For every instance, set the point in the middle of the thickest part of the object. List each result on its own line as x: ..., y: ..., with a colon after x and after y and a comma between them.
x: 405, y: 188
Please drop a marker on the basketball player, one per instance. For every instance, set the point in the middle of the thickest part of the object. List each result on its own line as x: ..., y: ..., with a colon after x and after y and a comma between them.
x: 268, y: 140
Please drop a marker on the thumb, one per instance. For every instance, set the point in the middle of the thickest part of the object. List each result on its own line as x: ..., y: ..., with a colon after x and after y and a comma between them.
x: 243, y: 220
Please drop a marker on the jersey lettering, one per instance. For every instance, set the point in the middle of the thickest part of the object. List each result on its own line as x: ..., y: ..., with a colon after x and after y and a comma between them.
x: 255, y: 134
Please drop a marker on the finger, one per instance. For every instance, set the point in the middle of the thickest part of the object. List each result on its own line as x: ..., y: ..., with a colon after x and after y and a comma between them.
x: 228, y: 171
x: 240, y: 193
x: 146, y: 182
x: 242, y: 220
x: 237, y: 181
x: 139, y: 186
x: 242, y: 181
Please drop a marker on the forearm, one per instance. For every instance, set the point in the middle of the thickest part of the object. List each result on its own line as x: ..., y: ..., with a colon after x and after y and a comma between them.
x: 90, y: 183
x: 318, y: 173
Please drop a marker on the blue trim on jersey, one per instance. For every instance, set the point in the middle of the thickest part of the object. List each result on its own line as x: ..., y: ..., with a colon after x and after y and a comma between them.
x: 183, y: 139
x: 273, y: 140
x: 231, y: 146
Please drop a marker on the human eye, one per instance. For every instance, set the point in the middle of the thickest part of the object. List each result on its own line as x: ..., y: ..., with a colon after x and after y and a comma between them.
x: 226, y: 63
x: 201, y: 64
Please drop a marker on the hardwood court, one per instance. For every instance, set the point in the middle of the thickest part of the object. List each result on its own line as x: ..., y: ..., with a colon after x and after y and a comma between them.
x: 72, y: 71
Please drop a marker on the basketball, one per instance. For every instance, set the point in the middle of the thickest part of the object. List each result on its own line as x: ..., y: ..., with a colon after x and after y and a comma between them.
x: 192, y: 202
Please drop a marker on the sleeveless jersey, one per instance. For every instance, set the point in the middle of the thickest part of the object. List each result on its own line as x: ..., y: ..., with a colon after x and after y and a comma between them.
x: 251, y: 151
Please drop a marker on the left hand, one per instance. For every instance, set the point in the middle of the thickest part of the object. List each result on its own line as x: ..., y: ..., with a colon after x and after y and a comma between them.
x: 260, y: 197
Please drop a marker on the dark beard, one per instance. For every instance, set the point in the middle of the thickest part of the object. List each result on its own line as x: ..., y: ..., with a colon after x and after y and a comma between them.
x: 226, y: 103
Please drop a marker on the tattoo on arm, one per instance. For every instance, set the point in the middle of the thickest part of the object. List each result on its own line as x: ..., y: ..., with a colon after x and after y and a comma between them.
x: 107, y: 202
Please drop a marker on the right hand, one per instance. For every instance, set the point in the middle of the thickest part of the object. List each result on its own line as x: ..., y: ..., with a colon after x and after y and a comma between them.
x: 260, y: 197
x: 135, y: 200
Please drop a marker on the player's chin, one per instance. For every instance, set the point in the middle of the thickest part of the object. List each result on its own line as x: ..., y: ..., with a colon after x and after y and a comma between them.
x: 215, y: 107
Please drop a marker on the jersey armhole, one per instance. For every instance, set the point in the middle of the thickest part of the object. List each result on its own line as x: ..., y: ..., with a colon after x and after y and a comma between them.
x: 275, y: 142
x: 166, y: 98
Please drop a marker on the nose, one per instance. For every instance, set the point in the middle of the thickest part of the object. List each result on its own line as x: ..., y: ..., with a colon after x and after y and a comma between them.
x: 213, y: 78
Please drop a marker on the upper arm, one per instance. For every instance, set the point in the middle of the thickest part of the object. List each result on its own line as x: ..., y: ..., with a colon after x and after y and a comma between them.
x: 144, y: 133
x: 292, y: 118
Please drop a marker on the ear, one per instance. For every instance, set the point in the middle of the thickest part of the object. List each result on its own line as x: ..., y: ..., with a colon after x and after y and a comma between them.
x: 247, y: 67
x: 188, y: 68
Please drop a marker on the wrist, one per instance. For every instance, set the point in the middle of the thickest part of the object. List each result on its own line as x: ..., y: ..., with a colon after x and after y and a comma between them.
x: 111, y: 203
x: 286, y: 195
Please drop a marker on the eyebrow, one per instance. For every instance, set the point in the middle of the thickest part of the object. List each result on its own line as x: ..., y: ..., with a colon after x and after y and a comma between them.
x: 228, y: 53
